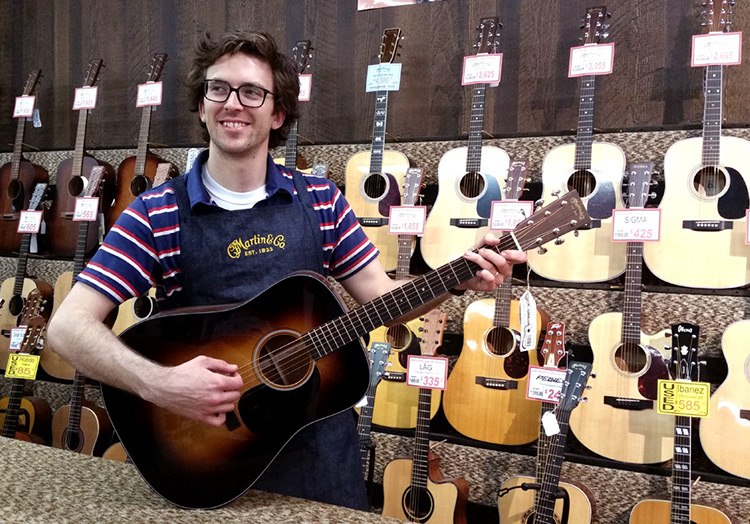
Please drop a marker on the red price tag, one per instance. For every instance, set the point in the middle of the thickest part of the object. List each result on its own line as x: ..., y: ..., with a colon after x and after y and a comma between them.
x: 149, y: 94
x: 85, y: 98
x: 29, y: 222
x: 426, y: 372
x: 24, y: 106
x: 87, y: 209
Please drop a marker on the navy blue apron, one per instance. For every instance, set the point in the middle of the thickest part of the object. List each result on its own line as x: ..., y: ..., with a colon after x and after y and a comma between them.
x: 229, y: 256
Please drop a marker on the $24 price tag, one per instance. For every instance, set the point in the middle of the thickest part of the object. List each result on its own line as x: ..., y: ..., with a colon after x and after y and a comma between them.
x: 87, y: 209
x: 545, y: 384
x: 426, y: 372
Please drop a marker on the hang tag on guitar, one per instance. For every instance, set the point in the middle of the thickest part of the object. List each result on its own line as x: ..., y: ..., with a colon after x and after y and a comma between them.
x: 16, y: 338
x: 527, y: 312
x: 36, y: 119
x: 549, y: 423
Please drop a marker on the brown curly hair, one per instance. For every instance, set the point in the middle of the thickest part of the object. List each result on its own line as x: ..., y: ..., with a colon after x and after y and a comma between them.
x: 258, y: 44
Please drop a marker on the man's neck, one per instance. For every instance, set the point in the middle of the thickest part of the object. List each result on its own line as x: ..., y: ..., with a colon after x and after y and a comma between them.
x: 237, y: 173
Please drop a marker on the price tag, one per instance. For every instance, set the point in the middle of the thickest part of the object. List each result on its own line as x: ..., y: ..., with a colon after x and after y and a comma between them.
x: 407, y: 220
x: 87, y: 209
x: 305, y: 87
x: 716, y: 49
x: 85, y: 98
x: 545, y: 384
x: 29, y: 222
x: 16, y: 337
x: 683, y: 398
x: 193, y: 153
x: 591, y: 59
x: 24, y: 106
x: 383, y: 77
x: 22, y: 366
x: 149, y: 94
x: 636, y: 225
x: 426, y: 372
x: 550, y: 424
x: 506, y: 214
x: 482, y: 69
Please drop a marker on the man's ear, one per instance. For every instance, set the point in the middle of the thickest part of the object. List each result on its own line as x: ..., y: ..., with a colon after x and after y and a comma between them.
x: 278, y: 119
x: 201, y: 111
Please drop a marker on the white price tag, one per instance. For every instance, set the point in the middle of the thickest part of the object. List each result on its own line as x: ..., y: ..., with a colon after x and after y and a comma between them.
x: 407, y: 220
x: 383, y: 77
x: 87, y: 209
x: 716, y: 49
x: 550, y: 424
x: 85, y: 98
x: 591, y: 59
x: 482, y: 69
x: 193, y: 153
x: 636, y: 225
x: 149, y: 94
x: 362, y: 403
x: 16, y: 338
x: 305, y: 88
x: 24, y: 106
x: 506, y: 214
x: 29, y: 222
x: 527, y: 314
x: 426, y: 372
x: 545, y: 384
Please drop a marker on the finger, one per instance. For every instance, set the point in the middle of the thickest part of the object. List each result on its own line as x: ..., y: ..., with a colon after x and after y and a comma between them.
x: 219, y: 366
x: 213, y: 419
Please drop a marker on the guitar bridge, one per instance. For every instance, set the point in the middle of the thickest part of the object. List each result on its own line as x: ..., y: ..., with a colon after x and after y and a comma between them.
x: 373, y: 221
x: 745, y: 413
x: 631, y: 404
x: 469, y: 223
x: 707, y: 225
x: 497, y: 383
x: 394, y: 377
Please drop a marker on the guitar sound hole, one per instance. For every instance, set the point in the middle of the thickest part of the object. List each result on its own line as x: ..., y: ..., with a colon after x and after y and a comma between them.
x: 283, y: 362
x: 472, y: 184
x: 15, y: 306
x: 73, y: 441
x: 583, y: 182
x: 531, y: 518
x: 15, y: 190
x: 630, y: 358
x: 375, y: 186
x: 500, y: 342
x: 398, y: 336
x: 143, y: 307
x: 76, y: 185
x: 709, y: 182
x: 139, y: 184
x: 418, y: 504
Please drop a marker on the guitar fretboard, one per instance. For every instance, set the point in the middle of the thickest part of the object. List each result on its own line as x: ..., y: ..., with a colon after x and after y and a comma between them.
x: 378, y: 132
x: 15, y: 163
x: 545, y: 502
x: 23, y: 259
x: 631, y: 317
x: 14, y: 406
x: 290, y: 150
x: 476, y: 127
x: 421, y: 455
x: 142, y: 151
x: 680, y: 506
x: 364, y: 424
x: 77, y: 169
x: 712, y: 116
x: 585, y: 131
x: 76, y: 402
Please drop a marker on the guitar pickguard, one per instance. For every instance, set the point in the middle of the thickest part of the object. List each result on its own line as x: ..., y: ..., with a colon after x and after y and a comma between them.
x: 603, y: 201
x: 493, y: 192
x: 734, y: 203
x: 391, y: 198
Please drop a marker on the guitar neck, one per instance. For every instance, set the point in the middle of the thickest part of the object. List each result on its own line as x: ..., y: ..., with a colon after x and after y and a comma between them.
x: 76, y: 402
x: 14, y: 405
x: 503, y: 295
x: 23, y: 259
x: 544, y: 507
x: 364, y: 424
x: 421, y: 456
x: 79, y: 258
x: 290, y: 151
x: 142, y: 151
x: 543, y: 445
x: 631, y: 322
x: 712, y: 116
x: 680, y: 506
x: 585, y: 131
x: 378, y: 132
x: 476, y: 127
x: 77, y: 169
x: 15, y: 162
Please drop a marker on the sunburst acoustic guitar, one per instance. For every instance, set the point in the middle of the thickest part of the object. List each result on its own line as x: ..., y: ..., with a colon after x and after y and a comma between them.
x: 595, y: 170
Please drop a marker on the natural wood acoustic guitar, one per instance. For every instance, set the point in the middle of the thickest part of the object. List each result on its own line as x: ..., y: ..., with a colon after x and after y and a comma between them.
x: 595, y: 170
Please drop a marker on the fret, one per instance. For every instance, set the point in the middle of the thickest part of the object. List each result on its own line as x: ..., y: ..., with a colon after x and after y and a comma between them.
x: 142, y: 150
x: 14, y: 406
x: 585, y: 130
x: 290, y: 151
x: 378, y: 132
x: 476, y: 127
x: 631, y: 322
x: 712, y: 116
x: 503, y: 296
x: 15, y: 163
x: 681, y: 472
x: 77, y: 168
x: 23, y: 259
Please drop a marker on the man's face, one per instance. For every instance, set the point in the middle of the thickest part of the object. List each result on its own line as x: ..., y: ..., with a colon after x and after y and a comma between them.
x: 235, y: 129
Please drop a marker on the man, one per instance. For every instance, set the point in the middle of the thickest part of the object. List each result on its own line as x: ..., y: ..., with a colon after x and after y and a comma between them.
x: 185, y: 237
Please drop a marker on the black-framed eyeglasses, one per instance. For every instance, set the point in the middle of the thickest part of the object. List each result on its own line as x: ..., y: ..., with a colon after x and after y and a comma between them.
x: 248, y: 94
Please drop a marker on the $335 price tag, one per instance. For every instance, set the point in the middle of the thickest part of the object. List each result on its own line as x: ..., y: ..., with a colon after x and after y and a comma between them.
x: 426, y: 372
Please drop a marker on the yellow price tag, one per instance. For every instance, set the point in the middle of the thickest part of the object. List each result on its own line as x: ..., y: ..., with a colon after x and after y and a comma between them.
x: 22, y: 366
x: 683, y: 398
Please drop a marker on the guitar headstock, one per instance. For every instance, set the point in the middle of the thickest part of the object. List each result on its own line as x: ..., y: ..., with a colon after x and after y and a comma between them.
x: 157, y: 67
x: 301, y: 55
x: 685, y: 351
x: 487, y: 33
x: 516, y: 179
x: 379, y: 352
x: 718, y: 15
x: 576, y: 376
x: 553, y: 348
x: 412, y: 185
x: 432, y: 334
x: 389, y: 47
x: 32, y: 82
x: 32, y: 337
x: 561, y: 216
x: 320, y: 169
x: 33, y: 307
x: 639, y: 183
x: 94, y: 181
x: 594, y: 26
x: 38, y: 195
x: 92, y: 74
x: 163, y: 173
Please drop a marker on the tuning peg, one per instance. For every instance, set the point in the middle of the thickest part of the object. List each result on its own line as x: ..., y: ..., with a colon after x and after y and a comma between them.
x: 538, y: 204
x: 588, y: 387
x: 575, y: 233
x: 652, y: 195
x: 584, y: 400
x: 559, y: 241
x: 702, y: 363
x: 592, y: 375
x: 542, y: 250
x: 604, y: 34
x: 556, y: 193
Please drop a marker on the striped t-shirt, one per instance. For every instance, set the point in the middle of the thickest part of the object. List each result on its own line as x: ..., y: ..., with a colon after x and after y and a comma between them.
x: 143, y: 247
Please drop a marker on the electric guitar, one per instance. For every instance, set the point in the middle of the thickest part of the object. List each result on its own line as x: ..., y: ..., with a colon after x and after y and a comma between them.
x: 728, y: 419
x: 620, y: 420
x: 469, y: 179
x: 374, y: 178
x: 301, y: 359
x: 519, y: 506
x: 595, y: 170
x: 414, y: 489
x: 14, y: 289
x: 705, y: 195
x: 17, y: 179
x: 679, y: 510
x: 72, y: 180
x: 485, y: 397
x: 378, y: 361
x: 135, y: 174
x: 395, y: 402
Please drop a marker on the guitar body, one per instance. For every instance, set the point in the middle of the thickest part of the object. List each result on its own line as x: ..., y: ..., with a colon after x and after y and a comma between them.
x: 198, y: 466
x: 640, y: 436
x: 62, y: 232
x: 95, y: 430
x: 658, y: 512
x: 371, y: 196
x: 28, y: 175
x: 301, y: 164
x: 34, y: 417
x: 7, y: 319
x: 499, y: 416
x: 134, y: 310
x: 395, y: 402
x: 591, y: 256
x: 116, y: 452
x: 717, y: 259
x: 517, y: 506
x: 446, y: 502
x: 728, y: 419
x: 462, y: 195
x: 52, y: 363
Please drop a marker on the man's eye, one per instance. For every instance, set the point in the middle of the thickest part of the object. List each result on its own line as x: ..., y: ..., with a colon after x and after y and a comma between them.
x: 251, y: 92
